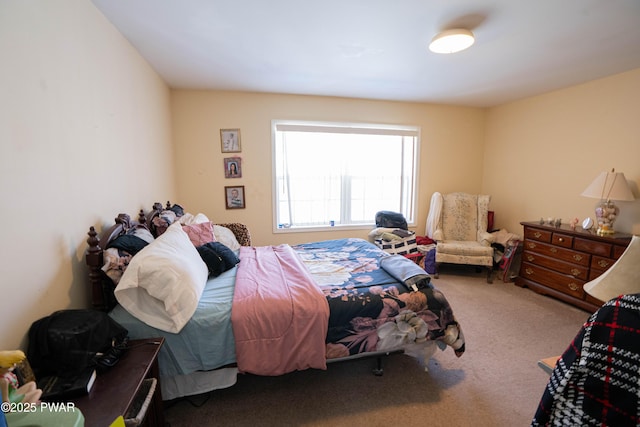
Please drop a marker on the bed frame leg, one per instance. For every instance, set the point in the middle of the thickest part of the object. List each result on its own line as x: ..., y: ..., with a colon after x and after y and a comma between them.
x: 378, y: 370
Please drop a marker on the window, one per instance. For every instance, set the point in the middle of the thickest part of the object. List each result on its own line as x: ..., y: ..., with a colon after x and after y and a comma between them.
x: 338, y: 174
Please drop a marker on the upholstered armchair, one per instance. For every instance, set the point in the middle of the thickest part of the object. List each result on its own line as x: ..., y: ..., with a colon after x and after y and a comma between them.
x: 459, y: 221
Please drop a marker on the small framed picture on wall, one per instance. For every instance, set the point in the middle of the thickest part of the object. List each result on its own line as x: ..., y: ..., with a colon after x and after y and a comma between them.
x: 233, y: 167
x: 230, y: 140
x: 234, y: 197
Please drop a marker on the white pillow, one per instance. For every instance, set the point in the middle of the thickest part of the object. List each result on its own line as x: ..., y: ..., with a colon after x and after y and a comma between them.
x: 188, y: 219
x: 164, y: 281
x: 226, y: 237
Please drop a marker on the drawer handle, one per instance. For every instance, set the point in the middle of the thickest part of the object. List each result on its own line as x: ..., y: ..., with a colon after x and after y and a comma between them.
x: 603, y: 263
x: 553, y: 250
x: 528, y: 271
x: 577, y: 257
x: 537, y: 234
x: 560, y: 239
x: 530, y: 257
x: 573, y: 286
x: 531, y: 245
x: 575, y: 271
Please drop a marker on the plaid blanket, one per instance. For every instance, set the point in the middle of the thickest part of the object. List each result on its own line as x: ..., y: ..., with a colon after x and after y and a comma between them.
x: 596, y: 381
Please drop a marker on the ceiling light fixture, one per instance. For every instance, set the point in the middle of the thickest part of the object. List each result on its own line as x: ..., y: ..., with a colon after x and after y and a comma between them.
x: 451, y: 41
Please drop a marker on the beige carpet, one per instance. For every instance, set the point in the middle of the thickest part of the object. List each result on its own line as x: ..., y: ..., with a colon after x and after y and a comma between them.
x: 495, y: 383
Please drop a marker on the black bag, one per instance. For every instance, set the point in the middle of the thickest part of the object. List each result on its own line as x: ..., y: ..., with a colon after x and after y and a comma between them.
x: 68, y: 341
x: 388, y: 219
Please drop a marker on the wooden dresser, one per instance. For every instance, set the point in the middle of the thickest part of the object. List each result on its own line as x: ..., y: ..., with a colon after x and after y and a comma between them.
x: 558, y: 261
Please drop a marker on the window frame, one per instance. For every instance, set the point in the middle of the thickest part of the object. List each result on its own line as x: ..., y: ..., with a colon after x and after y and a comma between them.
x: 410, y: 130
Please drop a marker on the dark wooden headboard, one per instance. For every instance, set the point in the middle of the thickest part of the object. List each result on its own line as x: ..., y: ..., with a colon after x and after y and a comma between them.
x: 102, y: 297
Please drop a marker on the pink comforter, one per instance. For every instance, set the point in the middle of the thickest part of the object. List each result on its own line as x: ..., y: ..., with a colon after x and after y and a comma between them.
x: 279, y: 315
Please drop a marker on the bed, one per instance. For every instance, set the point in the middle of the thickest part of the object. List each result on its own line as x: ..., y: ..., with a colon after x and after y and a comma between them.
x: 270, y: 310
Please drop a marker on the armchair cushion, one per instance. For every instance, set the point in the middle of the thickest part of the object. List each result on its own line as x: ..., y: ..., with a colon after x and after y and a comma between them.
x: 471, y: 253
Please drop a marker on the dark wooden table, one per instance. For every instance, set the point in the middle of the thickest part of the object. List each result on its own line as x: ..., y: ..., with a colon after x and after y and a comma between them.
x: 115, y: 390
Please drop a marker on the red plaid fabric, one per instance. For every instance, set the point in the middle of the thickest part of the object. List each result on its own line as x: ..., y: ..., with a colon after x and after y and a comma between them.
x: 596, y: 381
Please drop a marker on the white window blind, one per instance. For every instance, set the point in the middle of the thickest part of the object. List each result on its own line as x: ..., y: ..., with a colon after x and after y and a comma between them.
x: 333, y: 174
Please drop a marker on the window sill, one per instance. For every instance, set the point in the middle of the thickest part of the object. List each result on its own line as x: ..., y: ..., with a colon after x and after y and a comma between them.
x: 320, y: 228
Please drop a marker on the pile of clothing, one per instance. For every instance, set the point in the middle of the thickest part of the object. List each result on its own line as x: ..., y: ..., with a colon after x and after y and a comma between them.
x: 392, y: 236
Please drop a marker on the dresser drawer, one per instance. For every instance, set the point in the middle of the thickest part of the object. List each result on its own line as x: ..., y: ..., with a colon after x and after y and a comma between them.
x: 537, y: 234
x: 562, y: 240
x: 593, y: 273
x: 557, y: 252
x: 566, y: 284
x: 592, y: 247
x: 618, y: 251
x: 579, y: 271
x: 601, y: 263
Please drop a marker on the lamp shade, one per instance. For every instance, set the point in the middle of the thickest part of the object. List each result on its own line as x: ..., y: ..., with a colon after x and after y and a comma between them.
x: 622, y: 278
x: 609, y: 186
x: 451, y: 41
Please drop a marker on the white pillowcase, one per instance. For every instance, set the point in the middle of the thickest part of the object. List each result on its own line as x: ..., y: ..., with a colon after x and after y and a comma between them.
x: 164, y: 281
x: 226, y: 237
x: 188, y: 219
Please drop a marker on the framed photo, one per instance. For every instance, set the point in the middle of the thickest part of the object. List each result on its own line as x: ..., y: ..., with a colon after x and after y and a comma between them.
x: 234, y: 197
x: 230, y: 140
x: 232, y: 167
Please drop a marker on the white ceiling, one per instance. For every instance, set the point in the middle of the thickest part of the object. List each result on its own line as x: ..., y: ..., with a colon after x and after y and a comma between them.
x: 377, y: 49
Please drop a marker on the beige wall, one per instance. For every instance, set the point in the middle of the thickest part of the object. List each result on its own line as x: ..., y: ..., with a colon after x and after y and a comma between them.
x: 534, y: 156
x: 451, y: 150
x: 542, y: 152
x: 84, y: 134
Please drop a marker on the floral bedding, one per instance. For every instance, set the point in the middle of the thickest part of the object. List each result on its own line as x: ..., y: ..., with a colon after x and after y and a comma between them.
x: 370, y: 310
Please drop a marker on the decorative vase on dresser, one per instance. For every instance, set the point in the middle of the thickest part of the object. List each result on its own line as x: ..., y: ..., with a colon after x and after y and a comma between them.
x: 558, y: 261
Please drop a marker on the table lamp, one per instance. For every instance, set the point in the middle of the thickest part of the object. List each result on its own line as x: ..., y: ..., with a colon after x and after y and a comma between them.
x: 608, y: 186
